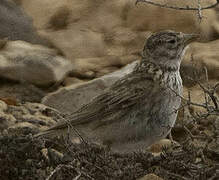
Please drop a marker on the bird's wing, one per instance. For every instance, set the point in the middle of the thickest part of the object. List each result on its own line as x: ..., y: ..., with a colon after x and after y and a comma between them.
x: 114, y: 103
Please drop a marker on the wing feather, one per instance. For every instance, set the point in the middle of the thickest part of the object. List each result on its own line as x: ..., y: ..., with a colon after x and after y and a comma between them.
x: 112, y: 104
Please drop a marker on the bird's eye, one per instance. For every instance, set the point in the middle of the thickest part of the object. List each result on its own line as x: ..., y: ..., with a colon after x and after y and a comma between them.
x: 172, y: 41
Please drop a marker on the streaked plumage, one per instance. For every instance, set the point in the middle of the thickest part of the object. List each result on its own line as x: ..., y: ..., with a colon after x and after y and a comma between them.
x: 139, y: 108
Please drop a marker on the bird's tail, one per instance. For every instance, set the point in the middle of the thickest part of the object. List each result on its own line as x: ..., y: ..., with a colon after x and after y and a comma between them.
x: 56, y: 130
x: 45, y: 133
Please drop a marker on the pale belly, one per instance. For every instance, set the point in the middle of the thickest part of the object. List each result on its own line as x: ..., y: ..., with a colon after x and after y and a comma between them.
x: 148, y: 126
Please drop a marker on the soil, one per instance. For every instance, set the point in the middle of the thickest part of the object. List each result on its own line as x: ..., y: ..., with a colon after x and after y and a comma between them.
x: 24, y: 157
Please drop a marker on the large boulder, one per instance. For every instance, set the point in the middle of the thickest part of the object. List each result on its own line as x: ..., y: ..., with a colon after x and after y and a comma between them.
x: 15, y: 24
x: 35, y: 64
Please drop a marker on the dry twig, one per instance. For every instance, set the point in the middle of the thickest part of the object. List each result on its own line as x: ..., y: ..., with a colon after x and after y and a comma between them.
x: 178, y: 8
x: 188, y: 8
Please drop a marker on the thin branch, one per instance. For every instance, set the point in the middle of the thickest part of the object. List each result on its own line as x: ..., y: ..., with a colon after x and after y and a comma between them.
x: 186, y: 100
x: 177, y: 8
x: 199, y: 11
x: 191, y: 135
x: 209, y: 91
x: 69, y: 126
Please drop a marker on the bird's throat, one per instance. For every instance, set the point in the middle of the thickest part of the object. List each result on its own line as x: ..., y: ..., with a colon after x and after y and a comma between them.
x: 166, y: 66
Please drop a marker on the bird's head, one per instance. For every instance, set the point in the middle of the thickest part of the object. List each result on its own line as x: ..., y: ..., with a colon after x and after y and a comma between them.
x: 166, y: 48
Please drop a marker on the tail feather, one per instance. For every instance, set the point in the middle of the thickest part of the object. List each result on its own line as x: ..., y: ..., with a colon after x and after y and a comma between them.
x: 55, y: 130
x: 45, y: 133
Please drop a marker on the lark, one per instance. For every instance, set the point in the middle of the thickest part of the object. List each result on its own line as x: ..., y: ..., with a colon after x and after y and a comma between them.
x: 141, y: 107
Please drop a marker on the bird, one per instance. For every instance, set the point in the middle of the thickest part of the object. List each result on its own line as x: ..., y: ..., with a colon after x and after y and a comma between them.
x: 140, y: 108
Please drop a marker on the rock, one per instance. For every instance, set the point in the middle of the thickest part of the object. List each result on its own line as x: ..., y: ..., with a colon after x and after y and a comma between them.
x: 44, y: 152
x: 6, y: 120
x: 200, y: 56
x: 3, y: 106
x: 69, y: 99
x: 157, y: 147
x: 3, y: 42
x: 71, y: 80
x: 211, y: 120
x: 35, y: 108
x: 42, y: 17
x: 13, y: 93
x: 18, y: 2
x: 17, y: 111
x: 35, y: 64
x: 16, y: 25
x: 123, y: 41
x: 22, y: 128
x: 59, y: 20
x: 38, y: 120
x: 9, y: 101
x: 106, y: 71
x: 28, y: 118
x: 90, y: 68
x: 151, y: 177
x: 198, y: 160
x: 82, y: 74
x: 55, y: 156
x: 77, y: 43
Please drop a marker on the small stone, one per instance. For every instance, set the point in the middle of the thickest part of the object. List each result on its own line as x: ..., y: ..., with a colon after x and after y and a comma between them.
x: 4, y: 132
x: 71, y: 80
x: 3, y: 106
x: 151, y: 177
x: 6, y: 120
x: 106, y: 70
x: 44, y: 152
x: 29, y: 162
x: 9, y: 101
x: 208, y: 133
x: 90, y: 74
x: 157, y: 147
x: 23, y: 128
x: 207, y: 121
x: 198, y: 160
x: 3, y: 42
x: 55, y: 156
x: 17, y: 111
x: 59, y: 20
x: 84, y: 75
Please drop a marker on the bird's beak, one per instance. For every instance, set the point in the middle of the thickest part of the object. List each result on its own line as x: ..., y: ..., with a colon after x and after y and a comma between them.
x: 188, y: 38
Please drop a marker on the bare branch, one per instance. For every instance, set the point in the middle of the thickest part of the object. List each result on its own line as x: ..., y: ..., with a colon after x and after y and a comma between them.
x: 199, y: 11
x: 177, y: 8
x: 70, y: 126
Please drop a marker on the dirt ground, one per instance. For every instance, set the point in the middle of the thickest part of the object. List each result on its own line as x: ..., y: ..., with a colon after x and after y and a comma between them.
x: 24, y: 157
